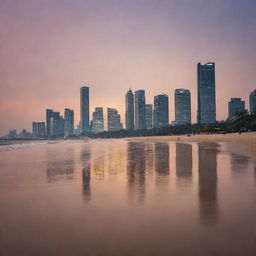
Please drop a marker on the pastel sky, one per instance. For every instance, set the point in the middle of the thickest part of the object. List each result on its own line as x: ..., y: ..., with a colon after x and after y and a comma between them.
x: 50, y: 48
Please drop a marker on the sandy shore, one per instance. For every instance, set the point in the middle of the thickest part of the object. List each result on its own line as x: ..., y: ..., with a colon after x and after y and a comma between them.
x: 232, y: 137
x: 242, y: 144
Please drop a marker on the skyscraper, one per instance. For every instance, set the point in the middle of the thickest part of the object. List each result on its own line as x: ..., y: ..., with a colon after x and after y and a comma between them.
x: 140, y: 110
x: 69, y: 122
x: 129, y: 112
x: 98, y: 120
x: 253, y: 101
x: 39, y: 131
x: 206, y: 112
x: 149, y: 116
x: 114, y: 123
x: 84, y: 109
x: 49, y: 114
x: 235, y: 106
x: 161, y: 110
x: 56, y: 125
x: 182, y: 106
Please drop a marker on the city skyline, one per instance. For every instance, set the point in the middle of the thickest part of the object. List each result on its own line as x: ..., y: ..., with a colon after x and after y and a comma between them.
x: 116, y: 45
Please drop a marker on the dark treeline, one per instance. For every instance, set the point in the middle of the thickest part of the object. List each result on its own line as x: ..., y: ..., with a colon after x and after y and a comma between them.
x: 243, y: 122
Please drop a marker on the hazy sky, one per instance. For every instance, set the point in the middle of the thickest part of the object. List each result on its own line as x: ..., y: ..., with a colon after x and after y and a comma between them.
x: 50, y: 48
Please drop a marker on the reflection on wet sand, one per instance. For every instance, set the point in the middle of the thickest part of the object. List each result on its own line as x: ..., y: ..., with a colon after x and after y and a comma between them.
x: 239, y: 163
x: 136, y: 163
x: 60, y: 167
x: 85, y: 157
x: 207, y: 172
x: 162, y: 162
x: 183, y: 164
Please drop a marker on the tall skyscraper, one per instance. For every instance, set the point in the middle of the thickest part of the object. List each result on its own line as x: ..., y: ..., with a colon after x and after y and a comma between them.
x: 206, y: 112
x: 149, y: 116
x: 114, y: 123
x: 182, y: 106
x: 161, y: 110
x: 129, y: 110
x: 39, y: 131
x: 69, y: 122
x: 98, y: 120
x: 56, y: 125
x: 140, y: 110
x: 49, y: 114
x: 235, y: 106
x: 253, y: 101
x: 84, y: 109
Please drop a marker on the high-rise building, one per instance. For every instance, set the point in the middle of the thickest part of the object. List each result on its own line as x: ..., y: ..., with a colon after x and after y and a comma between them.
x: 182, y: 106
x: 253, y: 101
x: 161, y: 110
x: 235, y: 106
x: 114, y: 123
x: 206, y: 112
x: 149, y: 116
x: 84, y: 109
x: 39, y: 131
x: 69, y: 122
x: 129, y: 110
x: 98, y: 120
x: 56, y: 125
x: 140, y: 110
x: 49, y: 114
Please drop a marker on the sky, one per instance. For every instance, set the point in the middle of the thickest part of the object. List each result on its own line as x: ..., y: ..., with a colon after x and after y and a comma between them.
x: 50, y: 48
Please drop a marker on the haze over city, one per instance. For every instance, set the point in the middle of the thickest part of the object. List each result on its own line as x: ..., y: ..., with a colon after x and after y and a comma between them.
x: 49, y: 49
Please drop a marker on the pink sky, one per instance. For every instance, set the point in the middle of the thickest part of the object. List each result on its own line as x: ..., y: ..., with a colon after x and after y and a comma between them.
x: 49, y: 49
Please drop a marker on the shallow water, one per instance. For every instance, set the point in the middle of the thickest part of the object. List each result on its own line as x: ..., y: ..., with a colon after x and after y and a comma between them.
x: 118, y: 197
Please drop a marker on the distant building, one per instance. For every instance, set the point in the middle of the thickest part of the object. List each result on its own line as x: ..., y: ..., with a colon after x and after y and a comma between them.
x: 253, y: 101
x: 206, y: 113
x: 161, y: 110
x: 149, y: 116
x: 140, y: 110
x: 68, y: 122
x: 114, y: 123
x: 12, y: 134
x: 182, y: 106
x: 24, y: 135
x: 84, y: 109
x: 56, y: 125
x: 38, y: 130
x: 235, y: 106
x: 98, y: 120
x: 49, y: 114
x: 129, y: 110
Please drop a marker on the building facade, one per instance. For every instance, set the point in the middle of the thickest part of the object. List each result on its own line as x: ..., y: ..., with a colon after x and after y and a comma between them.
x: 206, y: 112
x: 252, y: 100
x: 114, y: 123
x: 49, y: 114
x: 84, y: 110
x: 39, y: 130
x: 235, y: 106
x: 56, y: 125
x: 149, y: 116
x: 98, y: 120
x: 161, y: 110
x: 129, y: 110
x: 68, y: 122
x: 140, y: 110
x: 182, y: 106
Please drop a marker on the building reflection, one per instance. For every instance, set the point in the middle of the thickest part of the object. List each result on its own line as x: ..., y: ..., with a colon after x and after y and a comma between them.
x: 162, y: 162
x: 136, y: 163
x: 149, y: 153
x: 86, y: 170
x: 183, y: 164
x: 98, y: 167
x: 239, y: 163
x: 60, y: 166
x: 207, y: 172
x: 116, y: 161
